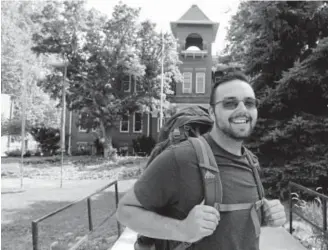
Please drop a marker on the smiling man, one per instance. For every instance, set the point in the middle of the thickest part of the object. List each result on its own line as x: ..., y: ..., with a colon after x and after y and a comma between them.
x: 166, y: 201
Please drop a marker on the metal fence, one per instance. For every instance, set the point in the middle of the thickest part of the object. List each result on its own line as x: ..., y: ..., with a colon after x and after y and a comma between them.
x: 35, y: 233
x: 292, y: 210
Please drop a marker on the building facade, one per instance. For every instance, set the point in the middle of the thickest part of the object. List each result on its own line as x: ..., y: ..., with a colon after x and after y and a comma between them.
x: 195, y: 33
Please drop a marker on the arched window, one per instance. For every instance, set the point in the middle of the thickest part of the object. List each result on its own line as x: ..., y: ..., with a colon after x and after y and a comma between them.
x: 194, y: 40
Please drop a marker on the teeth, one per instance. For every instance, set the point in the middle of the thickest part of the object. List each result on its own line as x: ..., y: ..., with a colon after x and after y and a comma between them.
x: 239, y: 121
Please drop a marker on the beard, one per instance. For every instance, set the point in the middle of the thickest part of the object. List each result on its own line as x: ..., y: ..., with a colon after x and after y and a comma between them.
x: 236, y: 133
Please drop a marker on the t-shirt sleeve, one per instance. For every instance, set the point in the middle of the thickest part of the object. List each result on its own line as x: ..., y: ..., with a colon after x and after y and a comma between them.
x: 158, y: 186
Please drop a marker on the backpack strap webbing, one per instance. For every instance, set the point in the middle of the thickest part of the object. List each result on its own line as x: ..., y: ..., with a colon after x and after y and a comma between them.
x: 210, y: 177
x: 255, y: 169
x: 209, y: 171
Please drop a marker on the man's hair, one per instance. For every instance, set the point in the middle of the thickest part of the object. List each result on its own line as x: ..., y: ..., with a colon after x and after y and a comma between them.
x: 226, y: 75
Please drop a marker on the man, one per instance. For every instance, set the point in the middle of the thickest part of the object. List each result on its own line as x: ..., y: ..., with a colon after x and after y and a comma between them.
x: 166, y: 202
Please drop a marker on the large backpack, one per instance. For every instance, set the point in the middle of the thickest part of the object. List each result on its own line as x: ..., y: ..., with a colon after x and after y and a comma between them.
x: 189, y: 124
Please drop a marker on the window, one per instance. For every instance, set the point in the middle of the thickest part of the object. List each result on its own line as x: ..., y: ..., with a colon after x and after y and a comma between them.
x: 187, y: 82
x: 137, y: 122
x: 84, y: 122
x: 216, y: 79
x: 200, y: 82
x: 138, y: 86
x: 82, y: 130
x: 127, y: 83
x: 124, y: 124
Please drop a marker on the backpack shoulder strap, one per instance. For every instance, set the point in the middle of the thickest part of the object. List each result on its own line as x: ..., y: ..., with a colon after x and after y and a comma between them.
x: 254, y: 163
x: 210, y: 177
x: 209, y: 171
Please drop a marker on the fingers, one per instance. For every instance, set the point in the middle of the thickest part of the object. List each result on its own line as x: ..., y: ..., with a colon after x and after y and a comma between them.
x: 209, y: 209
x: 277, y: 216
x: 276, y: 223
x: 211, y: 217
x: 275, y: 213
x: 206, y: 232
x: 273, y: 206
x: 209, y: 225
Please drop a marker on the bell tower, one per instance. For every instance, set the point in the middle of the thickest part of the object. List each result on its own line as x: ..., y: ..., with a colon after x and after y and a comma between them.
x: 195, y: 33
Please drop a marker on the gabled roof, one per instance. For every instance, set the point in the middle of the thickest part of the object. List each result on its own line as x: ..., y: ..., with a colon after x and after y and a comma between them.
x: 194, y: 14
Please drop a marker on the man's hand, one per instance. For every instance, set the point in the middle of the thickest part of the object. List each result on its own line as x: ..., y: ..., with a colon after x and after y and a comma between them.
x: 274, y: 213
x: 201, y: 221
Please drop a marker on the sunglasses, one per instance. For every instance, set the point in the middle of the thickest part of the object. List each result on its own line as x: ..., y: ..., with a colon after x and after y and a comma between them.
x: 232, y: 103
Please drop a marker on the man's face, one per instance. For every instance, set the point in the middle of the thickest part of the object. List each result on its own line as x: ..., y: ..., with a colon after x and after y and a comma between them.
x: 233, y: 117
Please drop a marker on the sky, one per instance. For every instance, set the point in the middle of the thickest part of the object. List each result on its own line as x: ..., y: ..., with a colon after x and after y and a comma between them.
x: 162, y: 12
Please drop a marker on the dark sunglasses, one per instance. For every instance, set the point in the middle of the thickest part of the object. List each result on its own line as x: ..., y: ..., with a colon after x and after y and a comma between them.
x: 232, y: 103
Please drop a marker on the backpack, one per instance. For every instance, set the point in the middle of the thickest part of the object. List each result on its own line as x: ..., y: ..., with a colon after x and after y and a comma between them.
x: 189, y: 124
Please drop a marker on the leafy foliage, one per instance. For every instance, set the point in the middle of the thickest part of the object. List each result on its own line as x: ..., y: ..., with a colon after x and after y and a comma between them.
x: 48, y: 138
x: 143, y: 144
x: 101, y: 52
x: 283, y: 47
x: 19, y: 66
x: 12, y: 127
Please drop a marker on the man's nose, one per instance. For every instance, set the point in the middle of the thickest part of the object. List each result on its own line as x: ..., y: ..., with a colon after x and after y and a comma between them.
x: 241, y: 106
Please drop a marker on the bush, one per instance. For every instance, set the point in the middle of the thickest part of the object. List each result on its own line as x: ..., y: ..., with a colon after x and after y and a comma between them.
x: 313, y: 211
x: 143, y: 144
x: 48, y: 138
x: 14, y: 153
x: 306, y: 172
x: 17, y: 153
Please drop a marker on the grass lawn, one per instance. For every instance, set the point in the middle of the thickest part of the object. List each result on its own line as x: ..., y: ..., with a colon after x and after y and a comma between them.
x: 42, y: 195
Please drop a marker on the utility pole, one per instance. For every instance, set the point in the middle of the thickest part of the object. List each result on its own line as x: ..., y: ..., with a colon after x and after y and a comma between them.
x: 63, y: 117
x: 69, y: 150
x: 162, y: 82
x: 23, y: 115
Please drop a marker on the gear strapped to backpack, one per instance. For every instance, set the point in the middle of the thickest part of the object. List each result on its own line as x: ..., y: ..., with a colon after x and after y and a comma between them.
x: 189, y: 124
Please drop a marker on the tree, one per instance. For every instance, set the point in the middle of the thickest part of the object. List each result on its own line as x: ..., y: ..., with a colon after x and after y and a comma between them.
x: 106, y: 51
x: 12, y: 127
x: 150, y: 45
x: 19, y: 66
x: 283, y: 47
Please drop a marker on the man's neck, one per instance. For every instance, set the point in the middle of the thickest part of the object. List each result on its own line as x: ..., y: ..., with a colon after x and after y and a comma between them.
x: 227, y: 143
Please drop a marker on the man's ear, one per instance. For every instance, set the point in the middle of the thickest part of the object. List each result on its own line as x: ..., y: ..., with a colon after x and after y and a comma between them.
x: 211, y: 112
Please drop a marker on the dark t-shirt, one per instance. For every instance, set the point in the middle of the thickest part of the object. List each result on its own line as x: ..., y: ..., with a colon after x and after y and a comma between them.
x: 172, y: 186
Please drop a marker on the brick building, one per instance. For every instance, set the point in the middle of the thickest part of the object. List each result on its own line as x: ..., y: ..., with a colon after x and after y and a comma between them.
x: 195, y: 33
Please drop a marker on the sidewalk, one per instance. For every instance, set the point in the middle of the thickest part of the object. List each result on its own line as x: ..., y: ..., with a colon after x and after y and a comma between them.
x: 35, y: 190
x: 270, y: 239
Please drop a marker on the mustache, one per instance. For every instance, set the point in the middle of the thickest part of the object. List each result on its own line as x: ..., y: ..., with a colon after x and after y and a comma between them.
x: 248, y: 117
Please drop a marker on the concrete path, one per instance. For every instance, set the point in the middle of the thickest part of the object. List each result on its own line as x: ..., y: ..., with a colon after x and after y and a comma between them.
x: 270, y: 239
x: 12, y: 197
